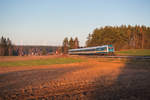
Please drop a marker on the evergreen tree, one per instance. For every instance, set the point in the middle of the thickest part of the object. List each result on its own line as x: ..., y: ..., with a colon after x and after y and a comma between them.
x: 9, y: 47
x: 76, y: 43
x: 65, y: 45
x: 71, y: 43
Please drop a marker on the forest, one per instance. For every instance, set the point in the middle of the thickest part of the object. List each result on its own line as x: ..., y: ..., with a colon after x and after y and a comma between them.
x: 121, y: 37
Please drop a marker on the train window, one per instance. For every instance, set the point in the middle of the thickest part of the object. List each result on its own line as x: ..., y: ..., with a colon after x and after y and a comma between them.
x: 101, y: 49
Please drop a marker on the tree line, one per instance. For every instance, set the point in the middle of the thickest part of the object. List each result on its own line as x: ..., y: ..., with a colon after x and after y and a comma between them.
x: 69, y: 44
x: 121, y: 37
x: 8, y: 49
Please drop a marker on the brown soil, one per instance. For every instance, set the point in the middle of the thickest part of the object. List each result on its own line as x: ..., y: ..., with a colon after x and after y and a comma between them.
x: 92, y: 80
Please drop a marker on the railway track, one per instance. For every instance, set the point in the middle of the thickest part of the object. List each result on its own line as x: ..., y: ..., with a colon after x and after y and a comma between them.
x: 134, y: 57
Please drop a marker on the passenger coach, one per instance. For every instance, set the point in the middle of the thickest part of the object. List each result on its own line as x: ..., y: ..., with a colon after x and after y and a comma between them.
x: 99, y: 50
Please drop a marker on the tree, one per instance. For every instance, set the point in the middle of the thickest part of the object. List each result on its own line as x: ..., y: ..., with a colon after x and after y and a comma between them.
x: 9, y: 47
x: 71, y: 43
x: 76, y: 43
x: 65, y: 45
x: 88, y: 42
x: 2, y: 46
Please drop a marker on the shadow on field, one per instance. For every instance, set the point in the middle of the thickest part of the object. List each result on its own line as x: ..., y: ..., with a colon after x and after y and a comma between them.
x: 133, y: 83
x: 121, y: 79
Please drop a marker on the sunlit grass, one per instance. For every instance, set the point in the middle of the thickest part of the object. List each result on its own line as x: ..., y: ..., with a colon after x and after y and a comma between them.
x: 134, y: 52
x: 49, y: 61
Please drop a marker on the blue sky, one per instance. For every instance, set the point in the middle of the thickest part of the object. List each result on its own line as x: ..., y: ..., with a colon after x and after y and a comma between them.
x: 47, y: 22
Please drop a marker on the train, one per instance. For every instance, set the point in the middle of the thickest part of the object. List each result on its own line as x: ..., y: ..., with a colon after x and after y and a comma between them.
x: 97, y: 50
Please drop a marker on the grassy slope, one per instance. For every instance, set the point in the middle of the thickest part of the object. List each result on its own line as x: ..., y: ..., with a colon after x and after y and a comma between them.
x: 49, y: 61
x: 134, y: 52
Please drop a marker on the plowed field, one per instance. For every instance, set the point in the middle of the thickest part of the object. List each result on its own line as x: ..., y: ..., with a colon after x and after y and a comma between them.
x: 92, y: 79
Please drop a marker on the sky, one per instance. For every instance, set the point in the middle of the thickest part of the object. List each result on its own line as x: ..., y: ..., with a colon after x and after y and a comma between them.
x: 48, y: 22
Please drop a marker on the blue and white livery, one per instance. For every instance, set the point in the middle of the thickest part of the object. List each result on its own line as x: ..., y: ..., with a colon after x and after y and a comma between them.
x: 105, y: 49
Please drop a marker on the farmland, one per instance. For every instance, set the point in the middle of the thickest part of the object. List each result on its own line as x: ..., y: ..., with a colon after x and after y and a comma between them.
x: 134, y: 52
x: 37, y: 62
x: 74, y: 78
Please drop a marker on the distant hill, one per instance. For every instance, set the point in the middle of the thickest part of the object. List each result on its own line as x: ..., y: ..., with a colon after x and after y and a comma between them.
x: 21, y: 50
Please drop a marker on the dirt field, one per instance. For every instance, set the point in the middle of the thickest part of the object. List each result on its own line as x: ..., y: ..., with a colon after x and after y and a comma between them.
x: 95, y: 79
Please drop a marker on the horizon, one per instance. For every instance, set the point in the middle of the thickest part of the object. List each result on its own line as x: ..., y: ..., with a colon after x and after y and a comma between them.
x: 67, y: 37
x: 47, y: 23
